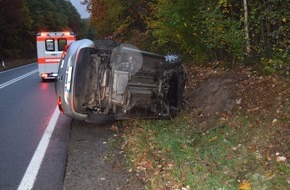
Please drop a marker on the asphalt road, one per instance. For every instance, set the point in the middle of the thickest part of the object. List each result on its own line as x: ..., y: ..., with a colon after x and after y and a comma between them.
x: 26, y: 108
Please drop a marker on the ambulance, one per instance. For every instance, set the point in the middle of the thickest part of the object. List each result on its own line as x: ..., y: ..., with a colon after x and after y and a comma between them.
x: 50, y: 46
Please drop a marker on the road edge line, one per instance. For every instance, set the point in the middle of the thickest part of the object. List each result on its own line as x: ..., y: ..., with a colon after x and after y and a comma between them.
x: 30, y: 175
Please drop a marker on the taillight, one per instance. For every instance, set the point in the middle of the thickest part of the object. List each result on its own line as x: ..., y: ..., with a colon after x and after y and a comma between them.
x: 59, y: 104
x: 65, y: 51
x: 63, y: 54
x: 44, y: 75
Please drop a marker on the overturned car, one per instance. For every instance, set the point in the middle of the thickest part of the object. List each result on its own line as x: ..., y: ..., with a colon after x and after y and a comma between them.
x: 104, y: 81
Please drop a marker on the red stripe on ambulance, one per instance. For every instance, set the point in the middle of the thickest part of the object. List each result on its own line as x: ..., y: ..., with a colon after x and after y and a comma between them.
x: 47, y: 60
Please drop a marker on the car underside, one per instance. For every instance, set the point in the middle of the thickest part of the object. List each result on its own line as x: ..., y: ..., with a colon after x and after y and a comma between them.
x: 113, y: 81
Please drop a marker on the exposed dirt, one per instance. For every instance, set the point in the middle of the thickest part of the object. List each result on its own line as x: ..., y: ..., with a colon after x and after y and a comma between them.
x: 211, y: 92
x: 214, y: 95
x: 217, y: 93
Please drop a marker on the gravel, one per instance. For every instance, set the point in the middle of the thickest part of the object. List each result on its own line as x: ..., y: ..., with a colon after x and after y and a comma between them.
x: 94, y: 162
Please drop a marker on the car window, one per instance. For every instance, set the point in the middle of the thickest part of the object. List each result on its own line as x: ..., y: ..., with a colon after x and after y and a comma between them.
x: 61, y: 44
x: 49, y: 44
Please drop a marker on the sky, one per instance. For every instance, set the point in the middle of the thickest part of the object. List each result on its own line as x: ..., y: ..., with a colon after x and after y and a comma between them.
x: 81, y: 8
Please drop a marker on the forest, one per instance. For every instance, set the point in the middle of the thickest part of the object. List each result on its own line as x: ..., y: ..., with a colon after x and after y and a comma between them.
x: 228, y: 31
x: 20, y: 20
x: 232, y: 31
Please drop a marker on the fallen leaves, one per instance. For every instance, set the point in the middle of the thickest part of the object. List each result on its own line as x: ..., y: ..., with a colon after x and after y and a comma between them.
x: 213, y: 139
x: 256, y: 130
x: 274, y: 122
x: 281, y: 159
x: 245, y: 185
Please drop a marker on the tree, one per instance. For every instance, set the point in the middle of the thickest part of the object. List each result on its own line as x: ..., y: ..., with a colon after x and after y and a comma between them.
x: 15, y: 25
x: 202, y: 30
x: 54, y: 15
x: 213, y: 30
x: 118, y: 19
x: 105, y: 16
x: 20, y: 20
x: 247, y: 36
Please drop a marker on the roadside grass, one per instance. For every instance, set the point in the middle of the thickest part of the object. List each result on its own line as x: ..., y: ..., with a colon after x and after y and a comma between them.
x: 248, y: 150
x: 174, y: 154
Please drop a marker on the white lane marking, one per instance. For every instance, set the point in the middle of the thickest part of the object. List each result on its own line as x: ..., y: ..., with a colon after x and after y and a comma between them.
x: 12, y: 69
x: 18, y: 78
x: 30, y: 175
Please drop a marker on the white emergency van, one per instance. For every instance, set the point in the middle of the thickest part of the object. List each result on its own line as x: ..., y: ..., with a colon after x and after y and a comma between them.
x: 50, y: 46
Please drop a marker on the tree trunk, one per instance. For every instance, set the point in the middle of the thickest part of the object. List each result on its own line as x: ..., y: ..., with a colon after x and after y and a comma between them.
x: 247, y: 36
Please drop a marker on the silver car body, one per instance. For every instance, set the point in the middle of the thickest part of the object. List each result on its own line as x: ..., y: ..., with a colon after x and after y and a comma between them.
x: 102, y: 81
